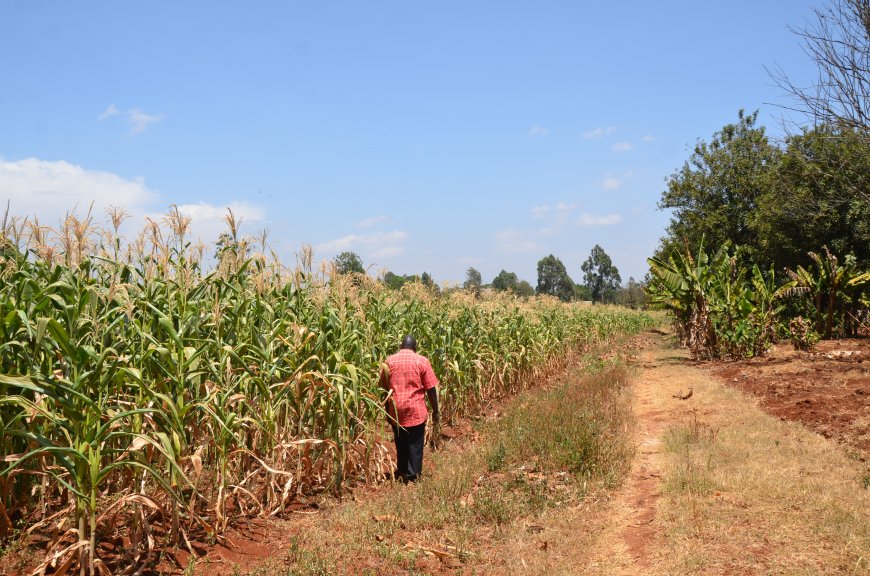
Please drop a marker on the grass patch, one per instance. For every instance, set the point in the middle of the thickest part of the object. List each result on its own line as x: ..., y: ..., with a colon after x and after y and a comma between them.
x: 747, y: 493
x: 580, y: 429
x: 549, y: 448
x: 692, y: 447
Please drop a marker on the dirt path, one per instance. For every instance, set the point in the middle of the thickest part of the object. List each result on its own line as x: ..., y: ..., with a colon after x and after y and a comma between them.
x: 630, y: 543
x: 619, y: 533
x: 717, y: 486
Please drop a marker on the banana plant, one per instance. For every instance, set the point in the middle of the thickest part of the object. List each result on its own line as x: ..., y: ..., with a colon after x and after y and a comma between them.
x: 682, y: 285
x: 828, y: 284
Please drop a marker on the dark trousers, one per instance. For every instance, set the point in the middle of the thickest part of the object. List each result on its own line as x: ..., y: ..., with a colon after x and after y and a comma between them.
x: 409, y: 451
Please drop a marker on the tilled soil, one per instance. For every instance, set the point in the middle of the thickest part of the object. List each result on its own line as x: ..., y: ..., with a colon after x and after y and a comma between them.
x: 827, y: 390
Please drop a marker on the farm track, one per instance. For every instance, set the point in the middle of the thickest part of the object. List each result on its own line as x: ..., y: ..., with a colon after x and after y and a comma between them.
x: 767, y: 503
x: 754, y: 494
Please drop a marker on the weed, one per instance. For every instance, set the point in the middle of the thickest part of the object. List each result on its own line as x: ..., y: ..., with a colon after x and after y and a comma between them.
x: 693, y: 445
x: 496, y: 460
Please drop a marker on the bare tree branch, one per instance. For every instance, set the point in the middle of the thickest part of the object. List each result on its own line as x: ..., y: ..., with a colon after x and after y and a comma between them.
x: 839, y: 43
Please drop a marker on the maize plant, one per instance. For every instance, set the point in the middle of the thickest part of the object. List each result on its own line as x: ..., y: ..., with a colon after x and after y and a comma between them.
x: 144, y: 399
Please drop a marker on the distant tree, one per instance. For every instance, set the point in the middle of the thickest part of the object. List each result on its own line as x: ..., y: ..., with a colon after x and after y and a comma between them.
x: 505, y: 281
x: 227, y: 242
x: 473, y: 280
x: 429, y: 283
x: 553, y: 279
x: 394, y: 281
x: 601, y: 276
x: 838, y: 42
x: 231, y: 252
x: 632, y: 295
x: 524, y: 289
x: 581, y: 293
x: 349, y: 262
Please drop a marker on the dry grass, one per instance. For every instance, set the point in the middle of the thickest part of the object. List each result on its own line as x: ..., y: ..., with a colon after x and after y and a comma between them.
x: 735, y: 492
x: 746, y: 493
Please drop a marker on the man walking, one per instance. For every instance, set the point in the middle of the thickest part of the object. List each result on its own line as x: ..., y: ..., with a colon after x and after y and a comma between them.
x: 408, y: 379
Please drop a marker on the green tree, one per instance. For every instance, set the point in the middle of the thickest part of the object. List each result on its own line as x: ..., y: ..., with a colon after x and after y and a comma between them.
x: 632, y: 295
x: 349, y: 262
x: 581, y: 293
x: 833, y: 288
x: 429, y: 283
x: 394, y: 281
x: 814, y: 199
x: 716, y: 192
x: 553, y: 279
x: 600, y: 276
x: 505, y: 281
x: 524, y: 289
x: 473, y: 280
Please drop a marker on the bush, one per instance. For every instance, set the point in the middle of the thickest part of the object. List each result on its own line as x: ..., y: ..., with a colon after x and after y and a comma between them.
x: 802, y: 334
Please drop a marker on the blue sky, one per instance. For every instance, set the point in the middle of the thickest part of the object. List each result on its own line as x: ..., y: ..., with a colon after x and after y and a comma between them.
x: 425, y: 136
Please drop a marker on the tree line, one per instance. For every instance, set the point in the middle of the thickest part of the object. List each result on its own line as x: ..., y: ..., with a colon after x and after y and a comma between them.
x: 777, y: 201
x: 771, y: 239
x: 774, y: 202
x: 601, y: 280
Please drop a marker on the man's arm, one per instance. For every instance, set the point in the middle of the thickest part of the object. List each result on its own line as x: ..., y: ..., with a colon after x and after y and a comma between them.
x: 432, y: 394
x: 384, y: 382
x: 384, y: 378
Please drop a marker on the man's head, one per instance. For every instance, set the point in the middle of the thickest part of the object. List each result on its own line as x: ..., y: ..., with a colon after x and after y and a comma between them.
x: 408, y: 343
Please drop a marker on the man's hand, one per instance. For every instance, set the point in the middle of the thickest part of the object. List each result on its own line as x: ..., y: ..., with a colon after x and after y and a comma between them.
x: 432, y: 394
x: 435, y: 440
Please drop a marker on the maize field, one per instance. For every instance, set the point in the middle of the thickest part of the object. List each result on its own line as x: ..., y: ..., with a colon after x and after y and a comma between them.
x: 145, y: 398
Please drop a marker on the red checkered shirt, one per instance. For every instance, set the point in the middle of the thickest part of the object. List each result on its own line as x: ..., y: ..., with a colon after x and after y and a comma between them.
x: 410, y: 376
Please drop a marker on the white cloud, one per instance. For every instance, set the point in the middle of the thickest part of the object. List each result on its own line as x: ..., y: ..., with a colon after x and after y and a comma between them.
x: 514, y: 241
x: 610, y: 183
x: 540, y: 211
x: 388, y: 252
x: 205, y: 212
x: 50, y: 189
x: 587, y: 219
x: 599, y: 132
x: 557, y: 215
x: 110, y: 112
x: 379, y: 245
x: 136, y: 118
x: 207, y: 220
x: 649, y: 138
x: 369, y: 222
x: 622, y: 147
x: 538, y: 131
x: 562, y: 211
